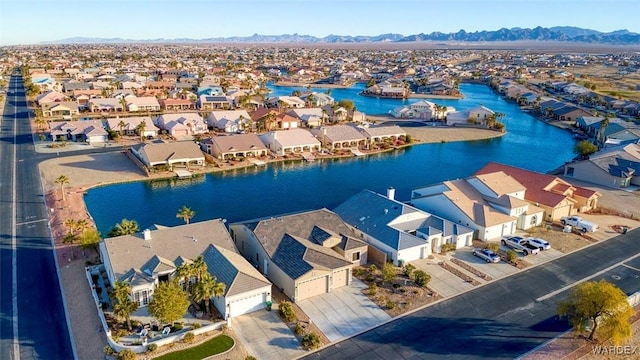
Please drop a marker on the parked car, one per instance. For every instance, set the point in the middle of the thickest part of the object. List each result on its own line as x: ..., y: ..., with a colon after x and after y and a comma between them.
x: 542, y: 244
x: 519, y: 243
x: 487, y: 255
x: 579, y: 223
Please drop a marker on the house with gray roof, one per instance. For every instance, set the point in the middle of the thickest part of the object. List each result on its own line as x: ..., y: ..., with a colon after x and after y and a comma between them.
x: 171, y: 155
x: 376, y: 134
x: 91, y: 131
x: 401, y: 231
x: 615, y: 167
x: 145, y: 259
x: 339, y: 136
x: 304, y: 254
x: 228, y: 147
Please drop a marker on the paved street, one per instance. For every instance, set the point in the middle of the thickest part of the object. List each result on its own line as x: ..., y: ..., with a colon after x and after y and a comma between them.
x: 29, y: 284
x: 502, y: 319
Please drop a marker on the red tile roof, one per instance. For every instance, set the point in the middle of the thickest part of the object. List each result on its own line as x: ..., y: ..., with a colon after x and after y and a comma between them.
x: 537, y: 183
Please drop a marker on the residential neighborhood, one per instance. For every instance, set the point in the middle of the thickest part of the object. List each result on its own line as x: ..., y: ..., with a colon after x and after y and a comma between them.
x: 175, y: 115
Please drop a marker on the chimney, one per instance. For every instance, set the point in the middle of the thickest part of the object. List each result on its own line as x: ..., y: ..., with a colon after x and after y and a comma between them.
x: 391, y: 193
x: 147, y: 234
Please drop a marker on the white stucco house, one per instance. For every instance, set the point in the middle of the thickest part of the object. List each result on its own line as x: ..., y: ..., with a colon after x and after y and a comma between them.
x: 492, y: 204
x: 403, y: 232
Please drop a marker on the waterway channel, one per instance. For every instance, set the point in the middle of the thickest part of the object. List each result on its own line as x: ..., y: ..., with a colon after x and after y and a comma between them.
x: 288, y: 187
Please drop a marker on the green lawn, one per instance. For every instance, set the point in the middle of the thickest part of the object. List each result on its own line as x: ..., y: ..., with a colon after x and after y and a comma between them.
x: 217, y: 345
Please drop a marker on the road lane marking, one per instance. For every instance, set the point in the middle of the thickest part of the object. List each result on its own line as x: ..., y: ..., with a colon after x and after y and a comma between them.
x: 554, y: 293
x: 14, y: 244
x: 630, y: 267
x: 31, y: 222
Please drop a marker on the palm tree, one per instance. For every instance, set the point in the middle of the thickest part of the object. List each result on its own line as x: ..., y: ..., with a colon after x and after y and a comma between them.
x: 62, y: 180
x: 140, y: 129
x: 121, y: 125
x: 199, y: 268
x: 207, y: 288
x: 123, y: 306
x: 184, y: 272
x: 124, y: 227
x: 185, y: 213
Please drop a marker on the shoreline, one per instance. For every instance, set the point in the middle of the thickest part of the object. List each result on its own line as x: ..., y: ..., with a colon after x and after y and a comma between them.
x: 336, y: 86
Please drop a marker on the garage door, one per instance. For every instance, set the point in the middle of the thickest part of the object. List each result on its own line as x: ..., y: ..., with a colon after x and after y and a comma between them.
x: 309, y: 288
x: 247, y: 305
x: 340, y: 278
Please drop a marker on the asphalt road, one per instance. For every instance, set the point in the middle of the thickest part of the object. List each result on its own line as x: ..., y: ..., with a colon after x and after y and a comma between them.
x: 501, y: 320
x: 25, y: 242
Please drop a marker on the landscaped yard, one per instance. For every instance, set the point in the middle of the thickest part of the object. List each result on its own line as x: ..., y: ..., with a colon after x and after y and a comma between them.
x: 396, y: 295
x: 217, y: 345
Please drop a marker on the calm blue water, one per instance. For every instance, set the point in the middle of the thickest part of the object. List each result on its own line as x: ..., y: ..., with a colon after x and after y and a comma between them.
x: 288, y: 187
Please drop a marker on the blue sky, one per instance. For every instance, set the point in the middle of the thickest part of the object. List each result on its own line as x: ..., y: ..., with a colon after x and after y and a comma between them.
x: 33, y: 21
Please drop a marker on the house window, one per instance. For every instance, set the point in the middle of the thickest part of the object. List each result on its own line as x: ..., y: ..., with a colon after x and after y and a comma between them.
x: 145, y: 298
x: 570, y: 171
x: 534, y: 220
x: 355, y: 256
x: 257, y: 258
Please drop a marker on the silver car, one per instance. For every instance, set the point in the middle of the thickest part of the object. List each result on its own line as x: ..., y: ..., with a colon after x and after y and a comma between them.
x: 487, y: 255
x: 542, y: 244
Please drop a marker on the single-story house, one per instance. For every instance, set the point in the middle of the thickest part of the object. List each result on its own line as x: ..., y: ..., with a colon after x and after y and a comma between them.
x: 146, y: 259
x: 377, y: 134
x: 105, y: 105
x: 399, y: 230
x: 91, y: 131
x: 64, y: 109
x: 339, y: 136
x: 290, y: 141
x: 207, y: 102
x: 144, y: 103
x: 304, y: 254
x: 182, y: 124
x: 615, y: 167
x: 227, y: 147
x: 477, y: 115
x: 182, y: 154
x: 284, y: 102
x: 555, y: 196
x: 311, y: 117
x: 177, y: 104
x: 49, y: 97
x: 128, y: 126
x: 230, y: 121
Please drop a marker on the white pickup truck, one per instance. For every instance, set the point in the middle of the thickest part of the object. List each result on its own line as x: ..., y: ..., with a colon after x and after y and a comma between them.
x: 579, y: 223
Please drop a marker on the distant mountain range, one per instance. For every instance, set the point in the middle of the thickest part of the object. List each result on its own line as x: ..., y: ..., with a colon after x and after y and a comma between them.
x: 558, y: 33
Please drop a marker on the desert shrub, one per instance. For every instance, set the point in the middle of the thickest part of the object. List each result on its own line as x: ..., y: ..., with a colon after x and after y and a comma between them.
x: 196, y: 325
x: 151, y: 348
x: 286, y: 311
x: 108, y: 350
x: 492, y: 246
x: 421, y: 278
x: 512, y: 256
x: 373, y: 270
x: 390, y: 305
x: 370, y: 278
x: 311, y: 341
x: 299, y: 329
x: 447, y: 247
x: 188, y: 337
x: 388, y: 272
x: 126, y: 355
x: 177, y: 327
x: 357, y: 272
x: 402, y: 290
x: 408, y: 270
x: 250, y: 357
x: 373, y: 289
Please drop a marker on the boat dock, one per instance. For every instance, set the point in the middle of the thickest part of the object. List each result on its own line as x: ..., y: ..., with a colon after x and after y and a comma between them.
x: 257, y: 162
x: 308, y: 156
x: 181, y: 173
x: 357, y: 152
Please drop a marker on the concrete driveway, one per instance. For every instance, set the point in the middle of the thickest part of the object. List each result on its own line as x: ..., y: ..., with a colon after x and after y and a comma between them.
x: 266, y: 337
x: 542, y: 256
x: 442, y: 281
x: 495, y: 270
x: 344, y: 311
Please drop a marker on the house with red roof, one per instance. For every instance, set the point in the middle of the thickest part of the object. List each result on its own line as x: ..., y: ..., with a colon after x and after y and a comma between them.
x: 555, y: 196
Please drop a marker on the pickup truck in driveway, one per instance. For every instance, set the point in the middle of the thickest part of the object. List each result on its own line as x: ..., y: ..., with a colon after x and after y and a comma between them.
x: 579, y: 223
x: 519, y: 243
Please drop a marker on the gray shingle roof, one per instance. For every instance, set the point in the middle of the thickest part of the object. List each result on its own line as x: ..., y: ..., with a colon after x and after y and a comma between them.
x: 296, y: 257
x: 233, y: 270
